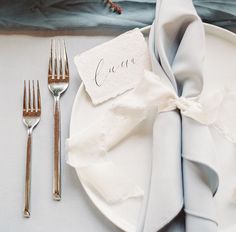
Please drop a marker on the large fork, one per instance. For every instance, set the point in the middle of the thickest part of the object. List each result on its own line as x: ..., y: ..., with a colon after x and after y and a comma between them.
x: 31, y: 117
x: 58, y: 81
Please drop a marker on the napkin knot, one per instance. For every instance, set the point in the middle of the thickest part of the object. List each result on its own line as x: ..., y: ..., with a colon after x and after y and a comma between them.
x: 184, y: 104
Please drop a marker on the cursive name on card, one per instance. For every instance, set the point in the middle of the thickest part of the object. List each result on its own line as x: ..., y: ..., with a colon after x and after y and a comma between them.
x: 114, y: 67
x: 99, y: 78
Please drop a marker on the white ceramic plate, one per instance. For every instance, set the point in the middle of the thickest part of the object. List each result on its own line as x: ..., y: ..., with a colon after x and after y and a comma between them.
x: 133, y: 155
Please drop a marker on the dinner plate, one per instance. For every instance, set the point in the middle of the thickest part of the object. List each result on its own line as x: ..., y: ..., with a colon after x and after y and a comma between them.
x: 133, y: 155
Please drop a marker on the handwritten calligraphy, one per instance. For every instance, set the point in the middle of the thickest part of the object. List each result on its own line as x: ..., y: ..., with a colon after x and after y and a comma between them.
x: 102, y: 72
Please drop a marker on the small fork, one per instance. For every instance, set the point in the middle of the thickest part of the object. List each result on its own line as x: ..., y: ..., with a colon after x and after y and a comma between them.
x: 31, y: 118
x: 58, y: 82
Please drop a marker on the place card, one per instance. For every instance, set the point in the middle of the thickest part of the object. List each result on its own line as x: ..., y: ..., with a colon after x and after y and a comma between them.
x: 114, y: 67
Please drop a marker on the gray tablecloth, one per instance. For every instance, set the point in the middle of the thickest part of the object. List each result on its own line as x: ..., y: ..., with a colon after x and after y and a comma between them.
x: 78, y: 14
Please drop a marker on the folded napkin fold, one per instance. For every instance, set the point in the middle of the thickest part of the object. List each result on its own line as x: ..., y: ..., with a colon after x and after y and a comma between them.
x: 177, y: 45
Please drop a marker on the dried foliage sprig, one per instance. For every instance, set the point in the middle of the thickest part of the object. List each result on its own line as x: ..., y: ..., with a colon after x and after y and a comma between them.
x: 114, y: 6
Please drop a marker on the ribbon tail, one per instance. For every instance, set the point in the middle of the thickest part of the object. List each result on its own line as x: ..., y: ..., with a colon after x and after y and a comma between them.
x: 225, y: 122
x: 123, y: 116
x: 87, y: 150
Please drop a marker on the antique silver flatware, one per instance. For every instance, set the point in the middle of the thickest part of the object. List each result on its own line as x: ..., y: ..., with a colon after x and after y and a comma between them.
x: 58, y: 81
x: 31, y: 118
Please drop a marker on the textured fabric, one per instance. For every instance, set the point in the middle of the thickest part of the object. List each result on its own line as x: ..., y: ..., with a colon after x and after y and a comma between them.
x: 75, y: 14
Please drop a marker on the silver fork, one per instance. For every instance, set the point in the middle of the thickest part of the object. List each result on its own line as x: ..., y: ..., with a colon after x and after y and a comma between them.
x: 31, y: 118
x: 58, y: 81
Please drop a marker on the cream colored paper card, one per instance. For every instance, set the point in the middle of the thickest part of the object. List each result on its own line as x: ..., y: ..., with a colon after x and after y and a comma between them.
x: 114, y: 67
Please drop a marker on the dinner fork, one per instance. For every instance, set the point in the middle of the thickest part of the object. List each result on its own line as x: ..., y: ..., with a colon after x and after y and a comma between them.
x: 31, y: 118
x: 58, y: 81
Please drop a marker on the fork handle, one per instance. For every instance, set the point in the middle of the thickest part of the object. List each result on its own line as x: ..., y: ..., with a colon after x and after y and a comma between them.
x: 57, y: 151
x: 28, y: 176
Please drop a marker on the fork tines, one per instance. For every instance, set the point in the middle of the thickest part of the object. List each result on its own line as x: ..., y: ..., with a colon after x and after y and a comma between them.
x: 58, y: 70
x: 32, y: 108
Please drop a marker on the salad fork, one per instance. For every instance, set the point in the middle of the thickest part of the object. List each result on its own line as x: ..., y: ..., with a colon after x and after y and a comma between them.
x: 58, y: 81
x: 31, y: 118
